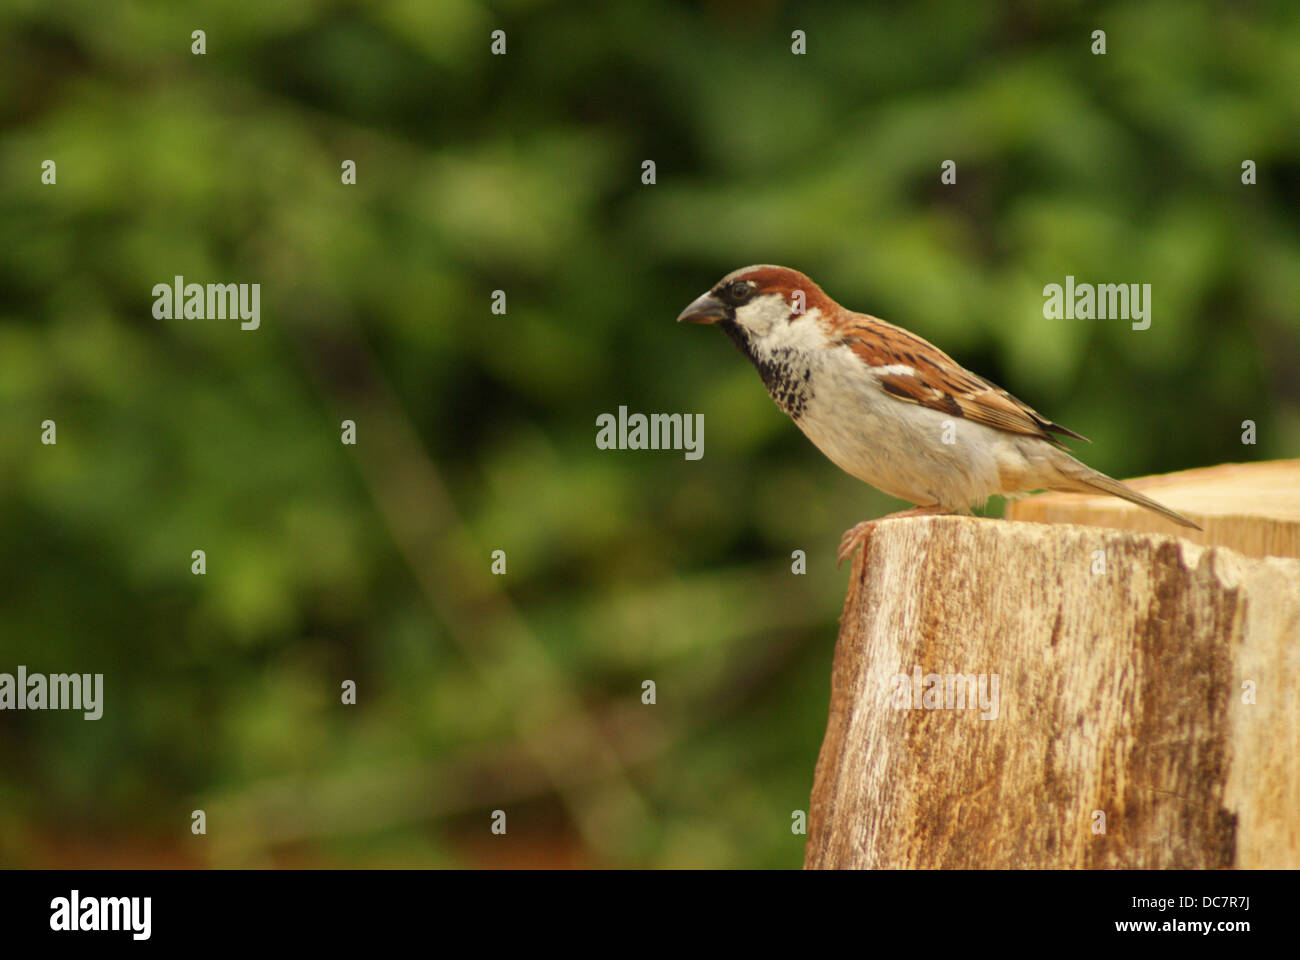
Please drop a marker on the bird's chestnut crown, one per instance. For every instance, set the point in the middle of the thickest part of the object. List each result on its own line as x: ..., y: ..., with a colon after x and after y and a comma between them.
x: 766, y: 292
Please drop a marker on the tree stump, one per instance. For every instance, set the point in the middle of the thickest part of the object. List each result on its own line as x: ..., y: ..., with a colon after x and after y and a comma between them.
x: 1254, y: 508
x: 1134, y: 695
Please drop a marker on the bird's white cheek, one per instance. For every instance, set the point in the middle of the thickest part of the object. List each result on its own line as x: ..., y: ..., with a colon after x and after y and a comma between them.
x: 764, y: 316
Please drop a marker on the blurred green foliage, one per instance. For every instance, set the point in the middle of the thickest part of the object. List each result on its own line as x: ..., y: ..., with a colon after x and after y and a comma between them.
x: 522, y: 173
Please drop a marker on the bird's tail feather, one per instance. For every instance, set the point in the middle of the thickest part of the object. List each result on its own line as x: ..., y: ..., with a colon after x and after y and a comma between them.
x: 1090, y: 480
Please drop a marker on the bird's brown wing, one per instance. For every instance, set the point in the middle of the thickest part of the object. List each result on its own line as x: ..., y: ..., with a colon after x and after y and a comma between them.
x: 937, y: 381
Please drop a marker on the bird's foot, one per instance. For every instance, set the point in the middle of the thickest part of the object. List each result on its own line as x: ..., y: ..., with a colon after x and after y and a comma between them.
x: 854, y: 537
x: 857, y: 536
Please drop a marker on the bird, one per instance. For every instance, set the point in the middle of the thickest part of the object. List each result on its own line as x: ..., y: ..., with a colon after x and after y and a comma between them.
x: 890, y: 408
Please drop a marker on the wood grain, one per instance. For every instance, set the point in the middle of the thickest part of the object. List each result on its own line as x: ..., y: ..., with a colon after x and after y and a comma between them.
x: 1254, y: 508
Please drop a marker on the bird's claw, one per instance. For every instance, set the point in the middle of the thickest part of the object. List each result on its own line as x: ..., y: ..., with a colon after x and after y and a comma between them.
x: 854, y: 537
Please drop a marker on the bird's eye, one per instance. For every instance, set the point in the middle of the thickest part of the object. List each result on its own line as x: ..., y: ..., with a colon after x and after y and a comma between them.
x: 740, y: 291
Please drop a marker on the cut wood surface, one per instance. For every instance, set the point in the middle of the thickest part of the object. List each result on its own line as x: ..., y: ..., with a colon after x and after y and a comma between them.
x: 1122, y: 733
x: 1253, y: 508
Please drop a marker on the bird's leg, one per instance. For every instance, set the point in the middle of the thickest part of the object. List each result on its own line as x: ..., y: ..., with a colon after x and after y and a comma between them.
x: 857, y: 536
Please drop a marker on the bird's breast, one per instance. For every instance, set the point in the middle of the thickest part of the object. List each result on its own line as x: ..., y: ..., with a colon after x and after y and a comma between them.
x: 788, y: 378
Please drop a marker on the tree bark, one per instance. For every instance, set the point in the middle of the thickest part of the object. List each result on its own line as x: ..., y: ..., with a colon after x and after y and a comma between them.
x: 1145, y: 716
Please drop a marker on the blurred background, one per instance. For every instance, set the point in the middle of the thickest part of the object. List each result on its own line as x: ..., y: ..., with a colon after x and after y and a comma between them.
x: 476, y: 432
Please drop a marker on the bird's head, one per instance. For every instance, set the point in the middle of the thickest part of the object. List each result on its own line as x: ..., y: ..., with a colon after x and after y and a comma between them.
x: 756, y: 300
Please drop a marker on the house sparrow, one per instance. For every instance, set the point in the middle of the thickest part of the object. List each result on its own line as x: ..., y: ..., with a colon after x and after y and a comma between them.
x: 890, y: 408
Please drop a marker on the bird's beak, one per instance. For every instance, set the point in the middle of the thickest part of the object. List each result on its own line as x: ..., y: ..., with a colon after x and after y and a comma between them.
x: 705, y: 309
